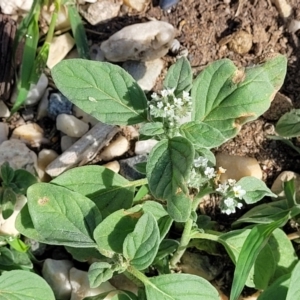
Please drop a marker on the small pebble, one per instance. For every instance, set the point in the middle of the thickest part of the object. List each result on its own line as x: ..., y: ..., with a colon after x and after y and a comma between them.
x: 127, y: 167
x: 116, y: 148
x: 83, y: 116
x: 45, y: 157
x: 144, y: 147
x: 4, y: 111
x: 166, y: 4
x: 3, y: 132
x: 56, y: 273
x: 238, y: 166
x: 113, y: 165
x: 81, y: 286
x: 138, y: 5
x: 66, y: 142
x: 31, y: 134
x: 71, y: 126
x: 58, y: 104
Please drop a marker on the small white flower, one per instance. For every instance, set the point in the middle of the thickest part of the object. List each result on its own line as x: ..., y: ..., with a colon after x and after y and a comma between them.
x: 238, y: 191
x: 171, y: 92
x: 186, y: 97
x: 160, y: 105
x: 209, y: 172
x: 222, y: 188
x: 169, y: 109
x: 151, y: 106
x: 154, y: 96
x: 178, y: 102
x: 239, y: 205
x: 229, y: 202
x: 229, y: 211
x: 200, y: 162
x: 231, y: 182
x: 164, y: 93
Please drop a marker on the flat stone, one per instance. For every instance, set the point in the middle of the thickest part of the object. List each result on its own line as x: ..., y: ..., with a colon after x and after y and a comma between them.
x: 145, y: 73
x: 18, y: 155
x: 84, y: 150
x: 59, y: 48
x: 127, y: 167
x: 71, y: 126
x: 277, y: 186
x: 31, y: 134
x: 237, y: 166
x: 143, y: 41
x: 116, y: 148
x: 56, y: 273
x: 66, y: 142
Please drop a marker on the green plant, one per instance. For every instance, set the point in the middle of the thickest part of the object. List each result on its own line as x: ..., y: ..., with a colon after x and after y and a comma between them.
x: 34, y: 60
x: 127, y: 224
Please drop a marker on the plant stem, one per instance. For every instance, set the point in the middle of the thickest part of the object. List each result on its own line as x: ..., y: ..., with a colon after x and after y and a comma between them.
x: 138, y: 275
x: 139, y: 182
x: 185, y: 239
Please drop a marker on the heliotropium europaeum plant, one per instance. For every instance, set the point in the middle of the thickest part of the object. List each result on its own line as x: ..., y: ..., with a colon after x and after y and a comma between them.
x: 126, y: 224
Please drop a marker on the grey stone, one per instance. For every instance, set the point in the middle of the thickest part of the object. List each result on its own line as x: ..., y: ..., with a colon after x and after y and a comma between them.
x: 59, y: 104
x: 127, y: 167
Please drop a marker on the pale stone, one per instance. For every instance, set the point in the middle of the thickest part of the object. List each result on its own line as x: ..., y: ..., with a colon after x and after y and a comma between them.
x: 144, y: 41
x: 113, y: 165
x: 81, y: 286
x: 283, y: 8
x: 56, y: 273
x: 144, y: 147
x: 84, y: 150
x: 35, y: 93
x: 101, y: 11
x: 294, y: 26
x: 138, y: 5
x: 145, y: 73
x: 4, y: 111
x: 238, y: 166
x: 62, y: 22
x: 18, y: 155
x: 31, y: 134
x: 7, y: 227
x: 66, y: 142
x: 277, y: 186
x: 83, y: 116
x: 45, y: 157
x: 3, y: 132
x: 42, y: 110
x: 72, y: 54
x: 59, y: 48
x: 71, y: 126
x: 10, y: 7
x: 116, y: 148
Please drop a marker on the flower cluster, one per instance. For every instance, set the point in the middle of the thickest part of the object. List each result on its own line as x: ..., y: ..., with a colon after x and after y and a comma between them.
x: 169, y: 107
x: 231, y: 194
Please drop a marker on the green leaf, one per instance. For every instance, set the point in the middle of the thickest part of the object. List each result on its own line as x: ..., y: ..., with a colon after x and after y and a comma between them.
x: 290, y: 192
x: 108, y: 190
x: 202, y: 135
x: 141, y: 245
x: 179, y: 77
x: 7, y: 173
x: 226, y: 98
x: 166, y: 248
x: 17, y: 244
x: 253, y: 244
x: 103, y: 90
x: 6, y: 257
x: 294, y: 289
x: 255, y: 189
x: 23, y: 285
x: 112, y: 231
x: 179, y: 207
x: 72, y: 216
x: 168, y: 167
x: 23, y: 180
x: 278, y: 290
x: 152, y: 129
x: 289, y: 124
x: 116, y: 295
x: 99, y: 272
x: 84, y: 254
x: 8, y: 201
x: 142, y: 192
x: 180, y: 287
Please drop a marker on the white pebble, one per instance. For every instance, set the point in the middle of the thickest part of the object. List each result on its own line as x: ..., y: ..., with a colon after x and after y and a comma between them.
x: 45, y: 157
x: 116, y: 148
x: 81, y: 286
x: 144, y: 147
x: 3, y: 132
x: 56, y: 273
x: 31, y: 134
x: 113, y: 165
x: 71, y: 126
x: 83, y: 116
x: 4, y: 111
x: 66, y: 142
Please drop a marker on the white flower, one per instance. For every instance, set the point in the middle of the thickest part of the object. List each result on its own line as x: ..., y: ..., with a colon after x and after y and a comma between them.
x: 200, y: 162
x: 178, y: 102
x: 186, y: 97
x: 239, y: 205
x: 222, y: 188
x: 228, y: 205
x: 169, y: 109
x: 154, y: 96
x: 229, y: 211
x: 171, y: 92
x: 231, y: 182
x: 238, y: 191
x: 164, y: 93
x: 160, y: 105
x: 229, y: 202
x: 209, y: 172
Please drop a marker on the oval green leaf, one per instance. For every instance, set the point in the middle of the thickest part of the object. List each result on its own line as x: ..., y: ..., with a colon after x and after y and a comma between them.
x: 289, y: 124
x: 103, y: 90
